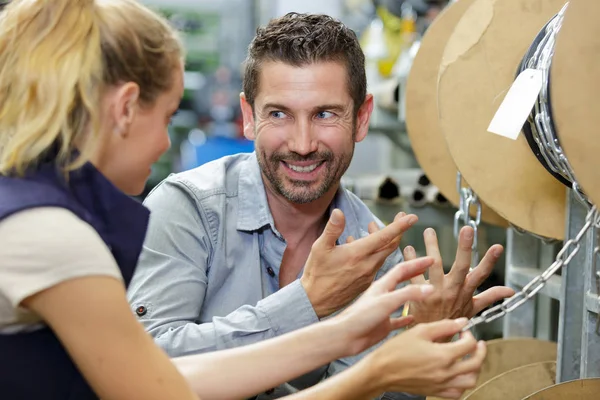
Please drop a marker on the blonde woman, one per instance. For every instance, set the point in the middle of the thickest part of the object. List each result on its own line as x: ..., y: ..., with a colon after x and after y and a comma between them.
x: 87, y: 89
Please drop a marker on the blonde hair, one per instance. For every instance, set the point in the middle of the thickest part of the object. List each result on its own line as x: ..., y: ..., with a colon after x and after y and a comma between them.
x: 56, y: 59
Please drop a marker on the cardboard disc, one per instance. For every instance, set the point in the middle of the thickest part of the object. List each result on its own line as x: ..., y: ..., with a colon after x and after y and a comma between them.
x: 478, y: 67
x: 427, y: 141
x: 574, y: 92
x: 517, y: 383
x: 579, y: 389
x: 506, y: 354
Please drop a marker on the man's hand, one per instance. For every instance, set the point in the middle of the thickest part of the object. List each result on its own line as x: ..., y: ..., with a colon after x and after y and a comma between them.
x: 334, y: 275
x: 453, y: 292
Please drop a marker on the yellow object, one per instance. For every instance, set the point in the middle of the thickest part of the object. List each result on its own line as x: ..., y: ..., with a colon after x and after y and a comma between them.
x: 398, y: 34
x: 405, y: 309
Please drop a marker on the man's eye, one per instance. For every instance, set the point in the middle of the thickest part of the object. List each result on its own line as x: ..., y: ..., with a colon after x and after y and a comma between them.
x: 277, y: 114
x: 325, y: 114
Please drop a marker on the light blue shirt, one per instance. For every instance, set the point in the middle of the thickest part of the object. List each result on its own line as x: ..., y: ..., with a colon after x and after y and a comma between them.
x: 208, y: 276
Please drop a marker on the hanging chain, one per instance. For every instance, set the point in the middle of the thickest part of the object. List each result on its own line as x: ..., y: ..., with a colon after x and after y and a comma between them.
x: 564, y: 256
x: 462, y: 217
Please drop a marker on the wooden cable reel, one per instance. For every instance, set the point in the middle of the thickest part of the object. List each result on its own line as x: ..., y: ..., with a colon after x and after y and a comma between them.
x: 477, y: 68
x: 575, y: 77
x: 517, y: 382
x: 504, y: 355
x: 579, y: 389
x: 423, y: 127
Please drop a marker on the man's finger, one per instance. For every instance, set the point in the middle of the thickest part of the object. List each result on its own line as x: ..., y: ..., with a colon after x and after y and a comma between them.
x: 436, y: 272
x: 462, y: 262
x: 489, y: 297
x: 480, y: 273
x: 391, y: 246
x: 401, y: 214
x: 384, y: 237
x: 409, y: 255
x: 393, y: 300
x: 372, y: 228
x: 350, y: 239
x: 403, y: 272
x: 443, y: 329
x: 333, y: 230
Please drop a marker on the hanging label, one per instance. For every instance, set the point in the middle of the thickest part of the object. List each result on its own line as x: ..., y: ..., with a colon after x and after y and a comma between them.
x: 517, y: 104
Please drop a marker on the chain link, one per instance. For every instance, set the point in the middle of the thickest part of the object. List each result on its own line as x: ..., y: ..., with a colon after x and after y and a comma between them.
x: 468, y: 200
x: 565, y: 255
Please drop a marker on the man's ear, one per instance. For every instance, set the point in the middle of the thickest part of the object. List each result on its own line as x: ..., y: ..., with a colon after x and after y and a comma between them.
x: 363, y: 118
x: 248, y: 118
x: 125, y: 105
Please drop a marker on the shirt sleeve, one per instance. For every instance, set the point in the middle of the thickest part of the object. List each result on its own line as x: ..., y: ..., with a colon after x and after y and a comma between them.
x: 171, y: 281
x: 45, y: 246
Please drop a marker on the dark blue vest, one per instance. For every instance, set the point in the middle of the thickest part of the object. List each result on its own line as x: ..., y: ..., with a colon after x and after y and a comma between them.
x: 35, y: 365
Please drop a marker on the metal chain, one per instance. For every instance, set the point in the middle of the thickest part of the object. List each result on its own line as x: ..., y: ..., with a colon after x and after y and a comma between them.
x: 462, y: 217
x: 564, y: 256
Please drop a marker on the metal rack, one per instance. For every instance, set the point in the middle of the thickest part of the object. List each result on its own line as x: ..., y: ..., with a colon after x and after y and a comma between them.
x: 576, y: 290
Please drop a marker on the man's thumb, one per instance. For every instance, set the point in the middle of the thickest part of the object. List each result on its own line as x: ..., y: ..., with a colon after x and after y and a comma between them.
x: 334, y: 228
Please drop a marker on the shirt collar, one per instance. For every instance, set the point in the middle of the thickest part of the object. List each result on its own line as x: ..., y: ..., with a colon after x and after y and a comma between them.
x: 253, y: 208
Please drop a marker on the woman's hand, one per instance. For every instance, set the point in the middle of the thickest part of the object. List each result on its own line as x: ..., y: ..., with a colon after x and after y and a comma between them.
x: 368, y: 320
x: 414, y: 362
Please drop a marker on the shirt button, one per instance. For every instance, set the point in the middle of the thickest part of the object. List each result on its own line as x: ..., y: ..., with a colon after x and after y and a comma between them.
x: 141, y: 311
x: 270, y: 391
x: 270, y: 272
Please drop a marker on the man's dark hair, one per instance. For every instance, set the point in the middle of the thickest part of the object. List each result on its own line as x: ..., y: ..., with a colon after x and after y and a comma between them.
x: 303, y: 39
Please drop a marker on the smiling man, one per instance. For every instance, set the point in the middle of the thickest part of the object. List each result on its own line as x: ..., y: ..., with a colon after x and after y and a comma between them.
x: 230, y: 259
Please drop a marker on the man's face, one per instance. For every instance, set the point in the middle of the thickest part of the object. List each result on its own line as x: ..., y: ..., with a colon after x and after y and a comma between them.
x: 304, y: 128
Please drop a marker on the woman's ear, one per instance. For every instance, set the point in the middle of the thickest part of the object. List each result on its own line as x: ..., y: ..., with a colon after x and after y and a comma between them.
x: 126, y: 103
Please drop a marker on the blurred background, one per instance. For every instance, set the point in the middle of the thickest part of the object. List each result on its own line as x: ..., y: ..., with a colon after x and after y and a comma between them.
x: 217, y: 33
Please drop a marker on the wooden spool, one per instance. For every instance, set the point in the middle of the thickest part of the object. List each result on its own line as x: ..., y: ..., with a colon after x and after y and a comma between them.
x: 478, y: 67
x: 575, y: 81
x: 424, y: 131
x: 517, y: 382
x: 507, y: 354
x: 580, y: 389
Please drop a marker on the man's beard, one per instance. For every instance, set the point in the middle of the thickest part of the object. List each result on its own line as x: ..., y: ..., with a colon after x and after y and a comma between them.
x: 297, y: 191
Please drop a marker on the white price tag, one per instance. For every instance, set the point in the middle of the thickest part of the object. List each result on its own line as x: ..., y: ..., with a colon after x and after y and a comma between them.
x: 517, y: 104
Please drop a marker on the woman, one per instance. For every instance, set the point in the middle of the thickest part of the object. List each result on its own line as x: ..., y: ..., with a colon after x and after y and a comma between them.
x: 87, y: 89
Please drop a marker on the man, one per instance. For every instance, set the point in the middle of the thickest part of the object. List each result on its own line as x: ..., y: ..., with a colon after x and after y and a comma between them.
x: 228, y: 258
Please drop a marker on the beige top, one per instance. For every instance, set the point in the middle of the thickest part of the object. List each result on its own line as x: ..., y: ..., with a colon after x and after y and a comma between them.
x: 40, y: 248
